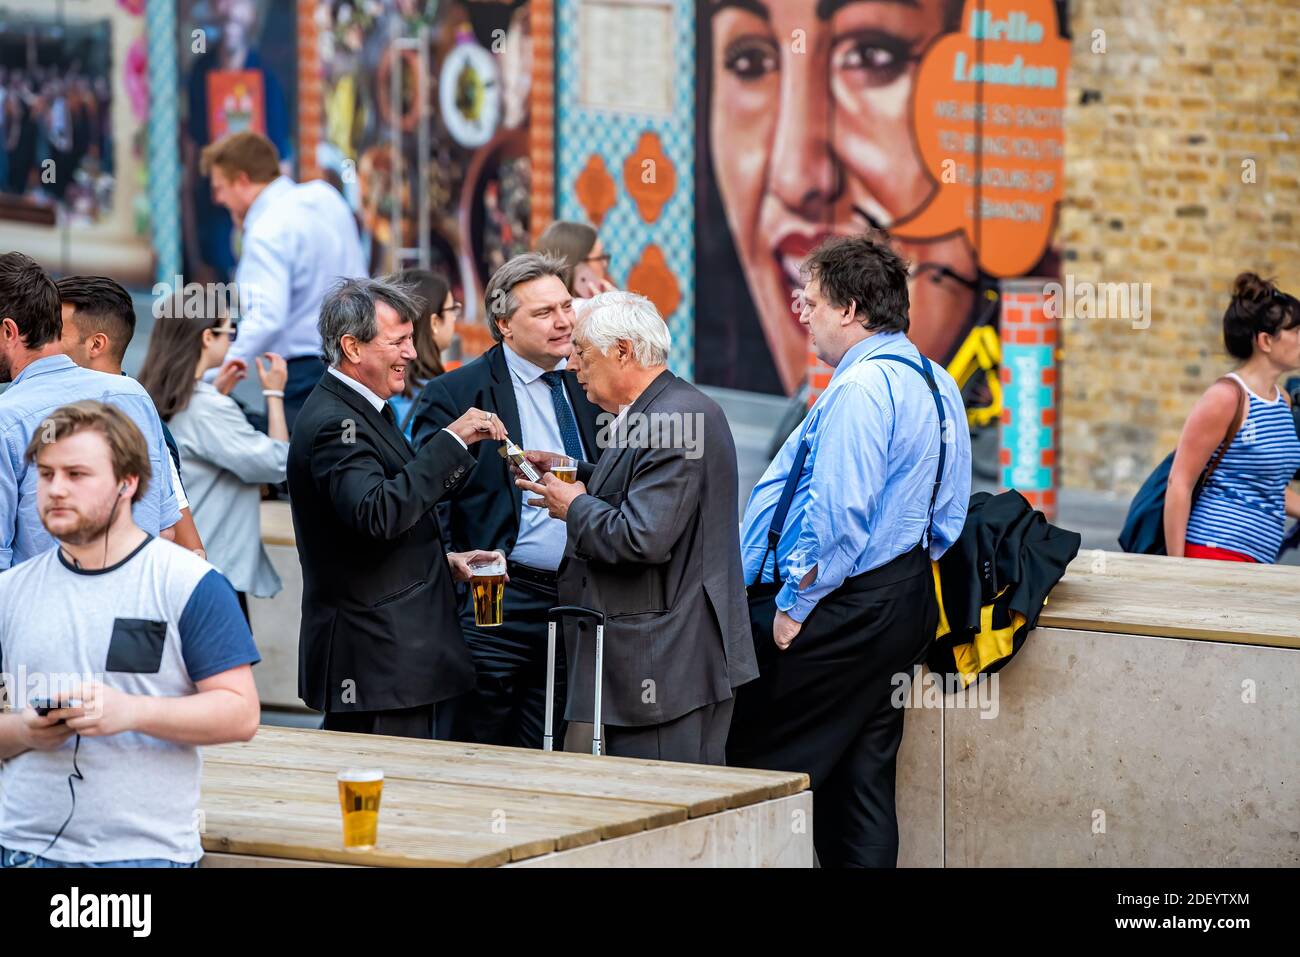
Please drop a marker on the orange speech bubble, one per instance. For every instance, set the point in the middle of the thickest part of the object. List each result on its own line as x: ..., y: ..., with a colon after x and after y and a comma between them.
x: 988, y: 110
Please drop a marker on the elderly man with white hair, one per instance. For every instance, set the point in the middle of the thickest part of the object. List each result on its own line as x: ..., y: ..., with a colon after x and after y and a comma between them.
x: 653, y: 543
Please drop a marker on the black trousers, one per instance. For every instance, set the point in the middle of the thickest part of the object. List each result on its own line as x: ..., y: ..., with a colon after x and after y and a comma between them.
x: 429, y: 721
x: 824, y: 705
x: 508, y: 703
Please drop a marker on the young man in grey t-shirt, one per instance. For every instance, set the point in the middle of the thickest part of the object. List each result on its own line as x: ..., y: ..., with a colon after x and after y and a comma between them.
x: 142, y: 643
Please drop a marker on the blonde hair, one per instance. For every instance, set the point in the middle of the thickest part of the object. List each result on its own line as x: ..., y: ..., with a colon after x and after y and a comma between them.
x: 126, y: 445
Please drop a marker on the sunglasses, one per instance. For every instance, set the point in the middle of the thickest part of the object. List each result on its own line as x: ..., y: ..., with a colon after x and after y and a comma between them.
x: 230, y: 332
x: 456, y: 308
x: 603, y: 260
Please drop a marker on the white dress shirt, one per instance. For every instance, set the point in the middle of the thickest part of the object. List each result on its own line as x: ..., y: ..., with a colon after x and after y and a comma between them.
x: 377, y: 402
x: 541, y: 538
x: 299, y: 240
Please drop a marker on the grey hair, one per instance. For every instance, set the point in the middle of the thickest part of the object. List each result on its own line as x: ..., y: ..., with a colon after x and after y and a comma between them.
x: 349, y: 310
x: 499, y: 296
x: 610, y: 317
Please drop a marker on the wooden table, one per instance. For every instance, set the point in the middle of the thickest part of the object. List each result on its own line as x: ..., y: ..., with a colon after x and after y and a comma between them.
x: 274, y: 800
x: 1178, y: 598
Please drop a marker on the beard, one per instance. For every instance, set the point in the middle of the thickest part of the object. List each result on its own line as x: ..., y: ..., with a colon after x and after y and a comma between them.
x: 89, y: 526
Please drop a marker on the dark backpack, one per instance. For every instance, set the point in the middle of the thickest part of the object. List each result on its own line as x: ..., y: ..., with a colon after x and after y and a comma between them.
x: 1144, y: 526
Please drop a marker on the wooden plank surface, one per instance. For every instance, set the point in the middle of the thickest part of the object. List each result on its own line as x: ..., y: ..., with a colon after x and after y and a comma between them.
x: 448, y: 804
x: 699, y: 789
x: 1178, y: 598
x: 295, y: 813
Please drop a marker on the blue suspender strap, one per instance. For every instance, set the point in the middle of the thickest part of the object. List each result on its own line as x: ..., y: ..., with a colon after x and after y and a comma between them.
x: 782, y: 510
x: 796, y: 472
x: 925, y: 372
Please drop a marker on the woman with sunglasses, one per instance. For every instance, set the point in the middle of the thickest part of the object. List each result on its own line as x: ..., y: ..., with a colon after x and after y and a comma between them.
x: 580, y: 247
x: 225, y: 460
x: 434, y: 332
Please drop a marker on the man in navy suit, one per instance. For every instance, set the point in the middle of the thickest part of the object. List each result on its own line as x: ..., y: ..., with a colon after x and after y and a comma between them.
x: 524, y: 380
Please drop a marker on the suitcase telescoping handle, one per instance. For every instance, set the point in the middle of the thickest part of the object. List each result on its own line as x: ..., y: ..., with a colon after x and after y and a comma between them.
x: 556, y: 614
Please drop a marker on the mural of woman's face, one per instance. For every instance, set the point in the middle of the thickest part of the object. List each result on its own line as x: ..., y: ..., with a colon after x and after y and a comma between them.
x: 809, y: 118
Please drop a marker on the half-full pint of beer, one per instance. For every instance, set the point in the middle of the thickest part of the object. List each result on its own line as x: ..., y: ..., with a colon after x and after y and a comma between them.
x: 488, y: 586
x: 566, y: 470
x: 359, y: 793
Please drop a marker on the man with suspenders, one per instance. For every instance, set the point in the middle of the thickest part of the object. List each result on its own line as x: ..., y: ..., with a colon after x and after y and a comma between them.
x: 837, y: 541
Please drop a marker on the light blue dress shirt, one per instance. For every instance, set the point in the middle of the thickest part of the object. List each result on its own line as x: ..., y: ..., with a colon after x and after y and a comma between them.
x: 541, y: 538
x: 299, y: 240
x: 864, y: 495
x: 40, y: 388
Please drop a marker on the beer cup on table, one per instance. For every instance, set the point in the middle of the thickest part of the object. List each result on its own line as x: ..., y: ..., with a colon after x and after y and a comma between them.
x: 565, y: 468
x: 359, y: 793
x: 488, y: 585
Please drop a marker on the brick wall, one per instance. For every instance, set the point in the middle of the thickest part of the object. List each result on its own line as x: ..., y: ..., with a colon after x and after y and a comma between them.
x: 1028, y: 458
x: 310, y: 90
x: 541, y: 121
x: 1185, y: 93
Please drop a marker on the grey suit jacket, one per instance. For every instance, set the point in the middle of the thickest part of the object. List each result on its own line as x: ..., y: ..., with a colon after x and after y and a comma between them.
x: 656, y: 547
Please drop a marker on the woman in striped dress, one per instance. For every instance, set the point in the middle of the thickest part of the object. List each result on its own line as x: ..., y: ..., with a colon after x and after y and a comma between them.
x: 1241, y: 512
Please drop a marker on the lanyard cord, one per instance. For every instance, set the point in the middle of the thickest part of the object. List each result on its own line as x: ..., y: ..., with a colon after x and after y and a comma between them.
x: 76, y: 773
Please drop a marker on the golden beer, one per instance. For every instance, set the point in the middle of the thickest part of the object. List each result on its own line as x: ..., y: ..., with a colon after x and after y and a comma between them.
x: 565, y: 468
x: 359, y: 793
x: 488, y: 586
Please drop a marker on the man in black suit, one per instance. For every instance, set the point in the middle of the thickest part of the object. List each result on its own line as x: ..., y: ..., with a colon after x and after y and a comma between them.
x: 380, y: 646
x: 523, y: 379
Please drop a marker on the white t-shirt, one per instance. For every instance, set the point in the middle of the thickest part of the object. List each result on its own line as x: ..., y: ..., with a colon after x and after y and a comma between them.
x: 153, y: 624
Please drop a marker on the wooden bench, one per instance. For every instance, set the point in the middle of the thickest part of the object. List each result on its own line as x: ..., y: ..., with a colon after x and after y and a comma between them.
x: 274, y: 800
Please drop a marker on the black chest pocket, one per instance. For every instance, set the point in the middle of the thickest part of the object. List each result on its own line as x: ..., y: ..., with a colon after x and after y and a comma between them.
x: 136, y: 645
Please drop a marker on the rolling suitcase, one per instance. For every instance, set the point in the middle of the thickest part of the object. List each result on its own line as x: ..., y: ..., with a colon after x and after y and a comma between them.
x: 555, y: 614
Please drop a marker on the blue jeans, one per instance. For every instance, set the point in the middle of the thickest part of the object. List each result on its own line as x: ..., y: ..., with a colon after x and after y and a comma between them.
x: 10, y: 858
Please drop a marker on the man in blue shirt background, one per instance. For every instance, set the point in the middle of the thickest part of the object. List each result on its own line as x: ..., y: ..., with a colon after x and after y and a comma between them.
x: 44, y: 378
x: 837, y: 540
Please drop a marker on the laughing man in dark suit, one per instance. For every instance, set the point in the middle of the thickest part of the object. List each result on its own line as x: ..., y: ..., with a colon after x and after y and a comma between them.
x: 380, y: 645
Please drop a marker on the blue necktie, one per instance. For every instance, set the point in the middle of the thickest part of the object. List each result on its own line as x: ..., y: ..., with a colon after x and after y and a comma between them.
x: 564, y: 415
